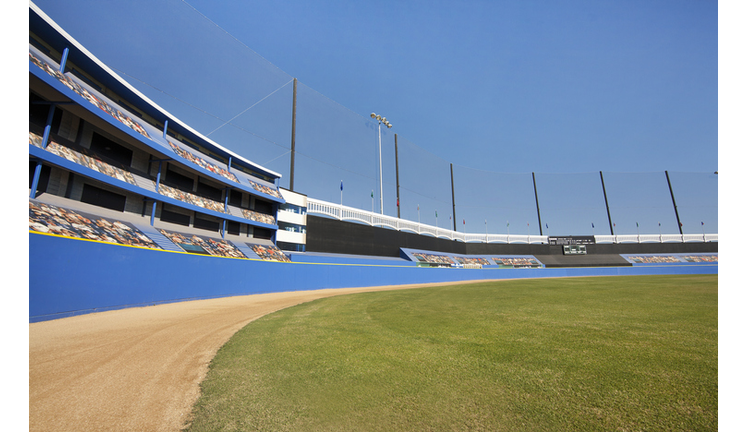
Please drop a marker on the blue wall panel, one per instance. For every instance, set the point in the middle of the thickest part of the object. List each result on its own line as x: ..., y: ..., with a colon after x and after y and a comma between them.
x: 70, y: 277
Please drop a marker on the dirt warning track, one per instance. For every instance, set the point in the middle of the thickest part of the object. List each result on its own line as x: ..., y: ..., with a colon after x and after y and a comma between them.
x: 138, y: 369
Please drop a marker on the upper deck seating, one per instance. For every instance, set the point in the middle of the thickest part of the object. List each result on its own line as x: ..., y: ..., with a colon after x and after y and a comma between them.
x: 96, y: 164
x: 88, y: 95
x: 83, y: 159
x: 191, y: 157
x: 112, y: 109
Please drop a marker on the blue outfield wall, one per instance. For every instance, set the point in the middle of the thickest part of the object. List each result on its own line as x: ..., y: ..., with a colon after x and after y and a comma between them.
x: 71, y: 277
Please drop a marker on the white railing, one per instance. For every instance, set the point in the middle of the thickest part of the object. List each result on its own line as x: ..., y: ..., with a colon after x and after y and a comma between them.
x: 657, y: 238
x: 345, y: 213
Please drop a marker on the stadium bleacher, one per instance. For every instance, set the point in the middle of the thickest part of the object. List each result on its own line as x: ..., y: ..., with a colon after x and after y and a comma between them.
x: 52, y: 219
x: 95, y: 171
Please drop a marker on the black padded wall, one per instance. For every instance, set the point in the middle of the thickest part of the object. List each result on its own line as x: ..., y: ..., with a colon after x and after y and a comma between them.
x: 333, y: 236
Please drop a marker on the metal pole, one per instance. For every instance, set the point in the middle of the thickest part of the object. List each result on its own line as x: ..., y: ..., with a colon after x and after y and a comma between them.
x: 536, y: 196
x: 48, y: 127
x: 35, y: 182
x: 152, y: 213
x: 44, y: 143
x: 158, y: 177
x: 675, y: 209
x: 63, y: 61
x: 396, y: 156
x: 453, y: 200
x: 380, y: 164
x: 606, y: 200
x: 292, y: 137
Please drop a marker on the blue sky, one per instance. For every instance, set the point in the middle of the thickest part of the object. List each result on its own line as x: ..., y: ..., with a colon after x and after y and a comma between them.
x: 499, y: 89
x: 552, y: 86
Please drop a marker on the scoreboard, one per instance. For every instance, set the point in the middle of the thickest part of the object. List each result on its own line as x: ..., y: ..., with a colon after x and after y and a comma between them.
x: 572, y: 240
x: 574, y: 250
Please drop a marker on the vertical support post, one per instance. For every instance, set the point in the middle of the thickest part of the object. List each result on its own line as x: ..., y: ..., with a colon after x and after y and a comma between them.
x: 152, y: 213
x: 396, y: 156
x: 165, y: 129
x: 536, y: 197
x: 158, y: 177
x: 35, y: 182
x: 292, y: 137
x: 606, y: 200
x: 230, y: 163
x: 44, y: 142
x: 48, y: 127
x: 453, y: 199
x: 675, y: 208
x: 223, y: 231
x: 63, y: 61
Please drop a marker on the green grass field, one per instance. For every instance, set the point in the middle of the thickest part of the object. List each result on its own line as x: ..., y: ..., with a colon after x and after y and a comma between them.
x: 637, y: 353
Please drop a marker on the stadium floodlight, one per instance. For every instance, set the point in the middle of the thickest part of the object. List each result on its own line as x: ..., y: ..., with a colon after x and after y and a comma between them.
x: 380, y: 161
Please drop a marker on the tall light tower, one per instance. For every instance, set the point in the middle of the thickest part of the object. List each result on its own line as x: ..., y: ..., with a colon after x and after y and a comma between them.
x: 380, y: 164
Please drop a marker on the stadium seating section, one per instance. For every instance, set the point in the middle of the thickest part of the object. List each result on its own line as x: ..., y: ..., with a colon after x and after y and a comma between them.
x: 54, y: 220
x: 248, y: 200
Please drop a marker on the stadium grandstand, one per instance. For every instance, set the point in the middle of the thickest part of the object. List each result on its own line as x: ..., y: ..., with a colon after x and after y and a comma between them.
x: 130, y: 206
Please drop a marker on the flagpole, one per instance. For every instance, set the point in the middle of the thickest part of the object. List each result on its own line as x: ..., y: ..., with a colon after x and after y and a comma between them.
x: 341, y: 190
x: 419, y: 223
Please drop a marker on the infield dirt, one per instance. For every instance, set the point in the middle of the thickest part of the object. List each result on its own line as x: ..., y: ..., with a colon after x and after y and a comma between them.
x: 139, y: 369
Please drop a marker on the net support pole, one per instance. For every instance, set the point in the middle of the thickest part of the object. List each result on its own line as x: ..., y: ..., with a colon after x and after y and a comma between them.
x: 536, y: 197
x: 453, y: 200
x: 606, y: 200
x: 675, y: 208
x: 292, y: 137
x: 396, y: 160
